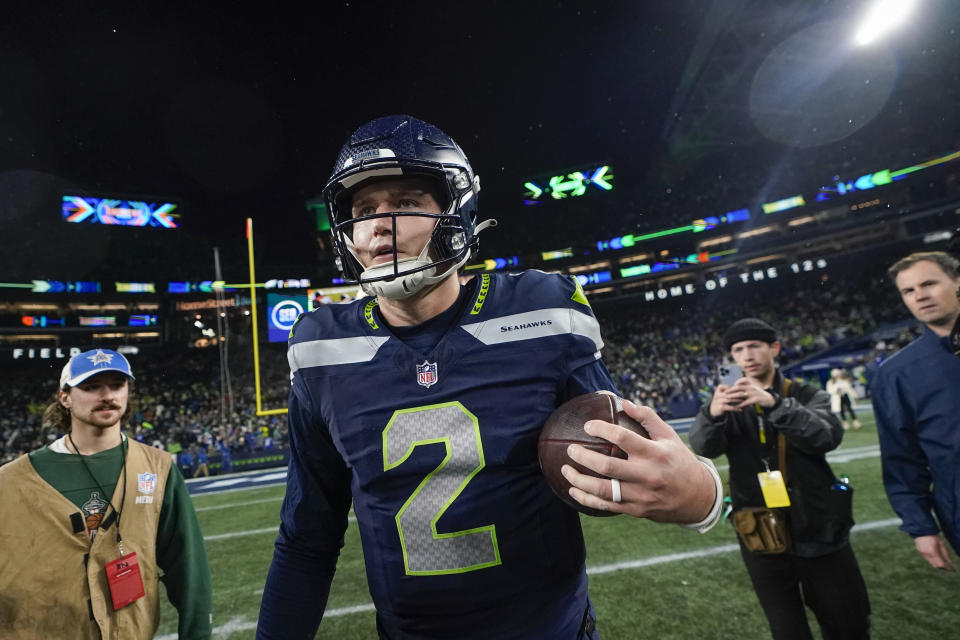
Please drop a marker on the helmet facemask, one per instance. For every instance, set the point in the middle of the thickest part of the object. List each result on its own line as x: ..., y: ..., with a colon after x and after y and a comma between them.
x: 402, y: 147
x: 448, y: 247
x: 444, y: 252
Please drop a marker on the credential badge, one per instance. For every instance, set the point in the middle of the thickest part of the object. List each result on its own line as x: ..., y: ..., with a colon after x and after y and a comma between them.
x: 427, y: 374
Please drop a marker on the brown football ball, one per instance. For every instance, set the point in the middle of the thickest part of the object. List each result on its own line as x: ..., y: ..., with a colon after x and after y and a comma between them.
x: 565, y: 427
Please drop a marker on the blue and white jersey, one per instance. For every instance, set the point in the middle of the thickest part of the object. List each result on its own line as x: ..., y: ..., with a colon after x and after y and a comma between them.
x: 461, y: 535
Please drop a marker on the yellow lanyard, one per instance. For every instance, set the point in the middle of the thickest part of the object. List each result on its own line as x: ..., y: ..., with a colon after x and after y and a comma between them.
x: 761, y: 429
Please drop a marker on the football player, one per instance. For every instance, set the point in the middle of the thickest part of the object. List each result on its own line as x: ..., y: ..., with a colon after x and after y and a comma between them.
x: 421, y: 404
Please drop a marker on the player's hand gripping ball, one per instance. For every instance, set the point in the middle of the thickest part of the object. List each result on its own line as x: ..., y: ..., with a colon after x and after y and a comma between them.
x: 565, y: 427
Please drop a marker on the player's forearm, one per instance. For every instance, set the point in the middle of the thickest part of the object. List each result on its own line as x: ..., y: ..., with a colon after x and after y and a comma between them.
x: 715, y: 490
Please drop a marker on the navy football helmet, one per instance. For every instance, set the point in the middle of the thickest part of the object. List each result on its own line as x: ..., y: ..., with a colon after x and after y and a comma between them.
x: 402, y: 146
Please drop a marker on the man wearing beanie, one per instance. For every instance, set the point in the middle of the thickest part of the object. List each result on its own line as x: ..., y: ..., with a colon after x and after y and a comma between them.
x: 792, y: 515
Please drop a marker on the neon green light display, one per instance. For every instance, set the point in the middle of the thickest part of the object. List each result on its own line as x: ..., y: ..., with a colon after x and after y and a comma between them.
x: 569, y: 185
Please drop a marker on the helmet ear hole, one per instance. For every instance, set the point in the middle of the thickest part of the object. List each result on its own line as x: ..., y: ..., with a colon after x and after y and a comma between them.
x: 457, y: 241
x: 461, y: 181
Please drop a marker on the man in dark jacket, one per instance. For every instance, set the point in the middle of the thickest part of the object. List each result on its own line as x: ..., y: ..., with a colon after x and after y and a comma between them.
x: 917, y: 408
x: 745, y: 420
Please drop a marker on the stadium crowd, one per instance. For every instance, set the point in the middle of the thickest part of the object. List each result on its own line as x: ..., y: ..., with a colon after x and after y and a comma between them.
x: 663, y: 354
x: 668, y: 354
x: 177, y: 406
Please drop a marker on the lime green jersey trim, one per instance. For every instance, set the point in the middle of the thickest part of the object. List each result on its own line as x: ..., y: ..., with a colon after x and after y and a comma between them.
x: 482, y: 294
x: 368, y: 314
x: 579, y: 295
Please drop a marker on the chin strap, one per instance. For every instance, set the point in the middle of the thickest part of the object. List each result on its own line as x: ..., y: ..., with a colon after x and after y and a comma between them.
x: 406, y: 285
x: 486, y: 224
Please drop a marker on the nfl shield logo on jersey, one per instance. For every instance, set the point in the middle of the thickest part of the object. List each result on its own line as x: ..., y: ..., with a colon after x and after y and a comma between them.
x: 427, y: 374
x: 146, y: 482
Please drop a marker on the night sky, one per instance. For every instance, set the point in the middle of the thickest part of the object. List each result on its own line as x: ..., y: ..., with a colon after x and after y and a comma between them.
x: 239, y: 112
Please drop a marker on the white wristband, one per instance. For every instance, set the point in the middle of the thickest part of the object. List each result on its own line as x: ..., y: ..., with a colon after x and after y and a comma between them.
x: 714, y: 516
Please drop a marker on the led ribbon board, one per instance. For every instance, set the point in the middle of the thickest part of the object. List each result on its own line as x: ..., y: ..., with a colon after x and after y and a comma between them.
x: 54, y: 286
x: 41, y: 321
x: 124, y: 213
x: 289, y: 283
x: 135, y: 287
x: 494, y: 264
x: 206, y: 286
x: 879, y: 178
x: 673, y: 263
x: 697, y: 226
x: 749, y: 275
x: 595, y: 277
x: 556, y: 254
x: 568, y: 185
x: 782, y: 205
x: 142, y: 320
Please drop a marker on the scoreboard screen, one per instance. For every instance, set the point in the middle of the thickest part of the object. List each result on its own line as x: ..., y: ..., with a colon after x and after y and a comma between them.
x: 124, y: 213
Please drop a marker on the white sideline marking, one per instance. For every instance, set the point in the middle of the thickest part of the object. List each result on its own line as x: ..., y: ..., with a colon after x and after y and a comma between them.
x: 226, y: 483
x: 710, y: 551
x: 238, y: 504
x: 846, y: 450
x: 279, y: 475
x: 854, y: 454
x: 840, y: 455
x: 253, y: 532
x: 591, y: 571
x: 237, y: 624
x: 343, y: 611
x: 876, y: 524
x: 670, y: 557
x: 196, y: 496
x: 237, y: 534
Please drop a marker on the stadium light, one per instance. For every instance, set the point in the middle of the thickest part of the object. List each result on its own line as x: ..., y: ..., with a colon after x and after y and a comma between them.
x: 882, y: 17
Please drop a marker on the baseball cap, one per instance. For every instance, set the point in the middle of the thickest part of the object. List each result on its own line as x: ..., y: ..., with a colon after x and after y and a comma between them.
x: 90, y: 363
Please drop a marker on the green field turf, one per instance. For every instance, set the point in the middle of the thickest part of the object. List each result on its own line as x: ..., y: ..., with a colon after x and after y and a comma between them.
x: 700, y: 597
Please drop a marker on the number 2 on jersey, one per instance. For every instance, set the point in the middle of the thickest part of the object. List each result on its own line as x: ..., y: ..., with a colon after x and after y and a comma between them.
x: 425, y: 551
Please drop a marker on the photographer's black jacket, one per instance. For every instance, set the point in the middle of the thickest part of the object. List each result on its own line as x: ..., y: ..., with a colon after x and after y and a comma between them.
x: 819, y: 519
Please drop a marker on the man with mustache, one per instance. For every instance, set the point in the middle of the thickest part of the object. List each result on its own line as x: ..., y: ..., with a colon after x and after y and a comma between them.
x: 93, y: 518
x: 917, y: 406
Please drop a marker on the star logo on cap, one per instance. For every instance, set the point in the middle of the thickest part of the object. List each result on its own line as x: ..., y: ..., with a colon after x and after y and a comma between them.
x: 100, y: 358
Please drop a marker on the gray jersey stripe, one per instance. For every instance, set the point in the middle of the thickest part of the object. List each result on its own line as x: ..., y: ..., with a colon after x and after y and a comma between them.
x: 536, y: 324
x: 325, y: 353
